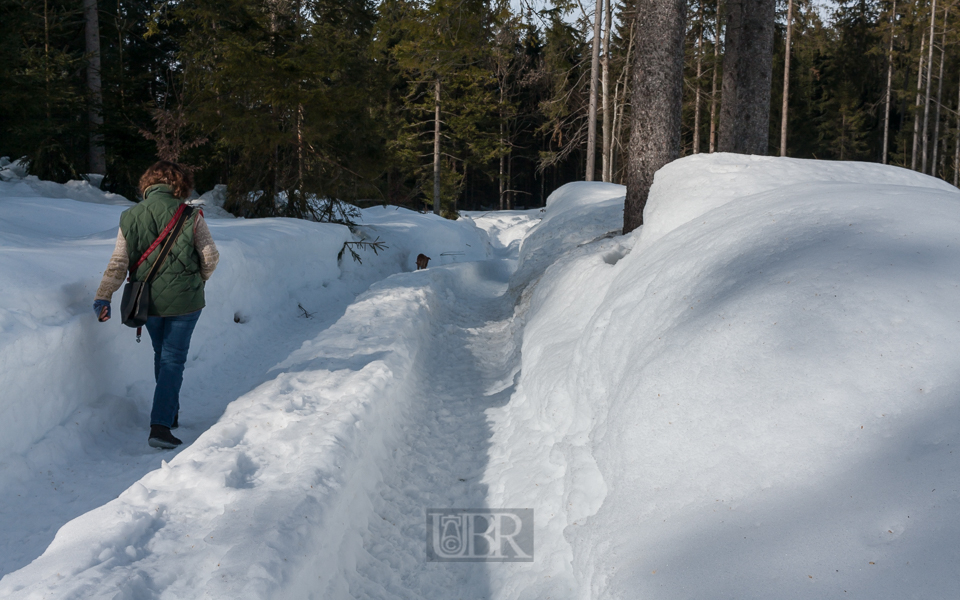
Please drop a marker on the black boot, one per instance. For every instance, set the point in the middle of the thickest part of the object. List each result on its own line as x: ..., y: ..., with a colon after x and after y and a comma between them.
x: 176, y: 420
x: 160, y: 437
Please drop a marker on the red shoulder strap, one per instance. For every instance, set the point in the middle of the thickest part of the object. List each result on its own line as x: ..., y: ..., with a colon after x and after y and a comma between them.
x: 160, y: 238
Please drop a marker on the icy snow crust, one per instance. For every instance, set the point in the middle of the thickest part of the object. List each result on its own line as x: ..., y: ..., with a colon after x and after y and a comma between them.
x: 753, y: 396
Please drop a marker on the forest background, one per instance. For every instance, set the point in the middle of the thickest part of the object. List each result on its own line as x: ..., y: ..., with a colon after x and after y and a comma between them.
x: 293, y: 103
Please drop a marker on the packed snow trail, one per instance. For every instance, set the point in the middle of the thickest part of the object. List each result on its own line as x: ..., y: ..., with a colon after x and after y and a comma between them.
x: 441, y: 455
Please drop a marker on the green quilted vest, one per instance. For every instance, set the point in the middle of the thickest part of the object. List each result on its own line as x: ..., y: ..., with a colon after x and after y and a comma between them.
x: 178, y: 288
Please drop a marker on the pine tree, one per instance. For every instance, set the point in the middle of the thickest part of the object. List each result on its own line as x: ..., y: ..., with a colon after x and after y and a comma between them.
x: 440, y: 51
x: 43, y: 96
x: 284, y: 91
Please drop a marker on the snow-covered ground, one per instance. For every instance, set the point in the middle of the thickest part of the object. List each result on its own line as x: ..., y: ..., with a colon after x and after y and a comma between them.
x: 753, y: 396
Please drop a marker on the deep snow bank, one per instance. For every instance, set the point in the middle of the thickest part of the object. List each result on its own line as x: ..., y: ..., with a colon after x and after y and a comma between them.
x: 689, y: 188
x: 268, y: 502
x: 56, y: 358
x: 760, y: 400
x: 577, y: 213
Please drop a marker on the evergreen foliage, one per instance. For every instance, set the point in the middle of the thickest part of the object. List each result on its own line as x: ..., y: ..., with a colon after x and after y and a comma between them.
x: 309, y: 108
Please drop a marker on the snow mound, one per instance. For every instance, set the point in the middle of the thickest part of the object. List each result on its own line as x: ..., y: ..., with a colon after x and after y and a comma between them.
x: 268, y: 501
x: 54, y: 254
x: 576, y: 213
x: 686, y: 189
x: 758, y: 399
x: 505, y: 228
x: 409, y: 233
x: 31, y: 186
x: 212, y: 202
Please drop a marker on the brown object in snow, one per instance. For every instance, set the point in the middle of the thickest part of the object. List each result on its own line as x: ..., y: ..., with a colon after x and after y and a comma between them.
x: 422, y: 260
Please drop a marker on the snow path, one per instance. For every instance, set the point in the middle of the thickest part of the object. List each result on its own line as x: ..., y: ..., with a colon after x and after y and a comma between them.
x: 100, y: 452
x: 440, y: 457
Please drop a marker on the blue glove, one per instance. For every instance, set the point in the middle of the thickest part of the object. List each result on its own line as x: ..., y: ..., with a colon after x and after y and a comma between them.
x: 99, y: 305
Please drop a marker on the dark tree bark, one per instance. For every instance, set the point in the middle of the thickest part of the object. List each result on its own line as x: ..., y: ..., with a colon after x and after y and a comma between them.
x: 747, y: 71
x: 656, y: 99
x: 436, y: 148
x: 97, y: 154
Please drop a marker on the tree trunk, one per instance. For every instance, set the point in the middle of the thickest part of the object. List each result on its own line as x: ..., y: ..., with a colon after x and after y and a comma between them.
x: 619, y: 106
x: 925, y: 138
x: 510, y: 200
x: 503, y: 145
x: 886, y: 106
x: 97, y: 158
x: 936, y: 117
x: 592, y: 115
x: 607, y: 117
x: 786, y: 81
x: 696, y: 109
x: 843, y: 133
x: 956, y: 148
x: 656, y: 100
x: 302, y: 198
x: 713, y: 87
x: 747, y: 66
x: 46, y: 58
x: 436, y: 148
x: 503, y: 160
x: 916, y: 107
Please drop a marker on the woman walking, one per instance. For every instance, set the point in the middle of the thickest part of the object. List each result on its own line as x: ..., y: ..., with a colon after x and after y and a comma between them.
x: 176, y: 291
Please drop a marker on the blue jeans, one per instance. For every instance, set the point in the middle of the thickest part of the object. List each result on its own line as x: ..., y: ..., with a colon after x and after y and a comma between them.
x: 171, y: 341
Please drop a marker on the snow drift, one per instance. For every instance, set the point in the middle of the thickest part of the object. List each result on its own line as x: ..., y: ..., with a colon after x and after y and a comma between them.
x: 55, y: 358
x: 753, y: 396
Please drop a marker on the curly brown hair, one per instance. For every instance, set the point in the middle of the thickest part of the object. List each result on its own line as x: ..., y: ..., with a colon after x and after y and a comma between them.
x: 177, y: 176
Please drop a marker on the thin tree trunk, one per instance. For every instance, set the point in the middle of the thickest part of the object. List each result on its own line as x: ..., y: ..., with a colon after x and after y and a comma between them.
x: 613, y: 128
x: 97, y: 158
x: 592, y: 112
x: 886, y: 107
x: 503, y: 160
x: 656, y: 100
x: 713, y: 88
x: 510, y: 200
x: 696, y: 110
x: 925, y: 138
x: 46, y: 56
x: 956, y: 148
x: 119, y: 24
x: 936, y: 118
x: 302, y: 198
x: 620, y: 105
x: 436, y: 148
x: 503, y: 145
x: 843, y: 133
x: 786, y: 81
x: 607, y: 117
x: 747, y: 66
x: 916, y: 107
